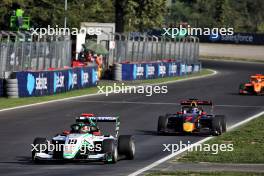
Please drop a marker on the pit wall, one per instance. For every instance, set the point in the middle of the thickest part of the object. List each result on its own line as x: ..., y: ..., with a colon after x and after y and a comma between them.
x: 41, y: 83
x: 141, y: 71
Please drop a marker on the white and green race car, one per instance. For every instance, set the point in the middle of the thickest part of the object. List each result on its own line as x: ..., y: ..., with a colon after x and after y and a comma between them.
x: 85, y: 141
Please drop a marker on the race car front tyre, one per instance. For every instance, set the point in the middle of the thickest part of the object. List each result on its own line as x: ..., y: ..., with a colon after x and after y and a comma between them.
x: 110, y: 148
x: 216, y: 126
x: 162, y: 124
x: 39, y: 144
x: 126, y: 146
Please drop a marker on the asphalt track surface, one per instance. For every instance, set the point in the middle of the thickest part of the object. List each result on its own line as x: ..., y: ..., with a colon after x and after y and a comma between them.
x: 139, y: 116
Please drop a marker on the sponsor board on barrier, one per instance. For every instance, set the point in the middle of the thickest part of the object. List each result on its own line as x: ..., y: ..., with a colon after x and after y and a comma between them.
x: 173, y: 69
x: 196, y: 68
x: 236, y: 38
x: 150, y: 71
x: 183, y: 69
x: 189, y: 68
x: 52, y: 82
x: 1, y: 87
x: 162, y: 70
x: 138, y: 71
x: 156, y: 70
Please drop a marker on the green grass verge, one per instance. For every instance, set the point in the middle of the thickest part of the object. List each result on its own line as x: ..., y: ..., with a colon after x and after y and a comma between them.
x: 248, y: 144
x: 8, y: 103
x: 189, y: 173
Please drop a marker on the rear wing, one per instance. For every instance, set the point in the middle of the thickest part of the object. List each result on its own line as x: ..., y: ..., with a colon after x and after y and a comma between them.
x: 195, y: 102
x: 105, y: 119
x: 258, y: 76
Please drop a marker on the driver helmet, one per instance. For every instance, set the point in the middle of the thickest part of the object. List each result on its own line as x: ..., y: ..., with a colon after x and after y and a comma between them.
x: 85, y: 129
x: 195, y: 110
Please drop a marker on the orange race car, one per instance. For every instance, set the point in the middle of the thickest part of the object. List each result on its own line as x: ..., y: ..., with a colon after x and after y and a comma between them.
x: 255, y: 86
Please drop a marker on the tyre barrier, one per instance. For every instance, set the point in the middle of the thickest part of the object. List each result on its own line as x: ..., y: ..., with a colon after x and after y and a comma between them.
x: 11, y: 87
x: 118, y: 72
x: 140, y: 71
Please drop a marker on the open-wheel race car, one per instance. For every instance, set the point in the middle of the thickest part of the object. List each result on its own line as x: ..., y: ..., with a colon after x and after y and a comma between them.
x: 193, y: 119
x: 254, y: 86
x: 85, y: 141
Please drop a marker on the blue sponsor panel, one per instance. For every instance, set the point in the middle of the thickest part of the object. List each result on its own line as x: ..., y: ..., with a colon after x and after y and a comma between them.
x: 53, y: 82
x: 196, y: 67
x: 133, y: 71
x: 127, y: 71
x: 161, y: 70
x: 150, y: 71
x: 34, y: 83
x: 138, y: 71
x: 60, y: 81
x: 1, y: 87
x: 73, y: 79
x: 183, y: 69
x: 189, y: 69
x: 173, y: 69
x: 157, y: 70
x: 92, y: 79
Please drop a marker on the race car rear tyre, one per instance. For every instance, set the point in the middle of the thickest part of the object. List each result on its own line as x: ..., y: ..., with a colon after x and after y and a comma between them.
x: 38, y: 142
x: 216, y: 126
x: 126, y: 146
x: 110, y: 148
x: 162, y: 124
x: 223, y: 122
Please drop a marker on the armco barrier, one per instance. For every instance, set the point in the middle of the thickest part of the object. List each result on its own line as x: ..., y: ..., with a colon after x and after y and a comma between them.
x: 139, y: 71
x: 42, y: 83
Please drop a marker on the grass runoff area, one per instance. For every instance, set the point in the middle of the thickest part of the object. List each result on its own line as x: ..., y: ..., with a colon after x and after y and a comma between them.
x: 9, y: 103
x: 248, y: 146
x: 248, y: 141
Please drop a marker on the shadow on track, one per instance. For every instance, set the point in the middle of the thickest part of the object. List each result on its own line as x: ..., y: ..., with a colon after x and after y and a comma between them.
x: 155, y: 133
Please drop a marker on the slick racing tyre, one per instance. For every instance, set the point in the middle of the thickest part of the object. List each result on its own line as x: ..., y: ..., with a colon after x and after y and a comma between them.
x: 222, y: 119
x: 216, y: 126
x: 162, y: 124
x: 11, y: 81
x: 38, y: 142
x: 126, y: 146
x: 110, y: 149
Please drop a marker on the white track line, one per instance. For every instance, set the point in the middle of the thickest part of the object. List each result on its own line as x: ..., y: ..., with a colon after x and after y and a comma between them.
x: 97, y: 94
x: 166, y: 158
x: 158, y: 103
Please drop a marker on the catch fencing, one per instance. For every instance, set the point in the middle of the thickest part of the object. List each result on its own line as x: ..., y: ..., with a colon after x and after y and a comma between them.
x: 139, y: 48
x: 17, y: 55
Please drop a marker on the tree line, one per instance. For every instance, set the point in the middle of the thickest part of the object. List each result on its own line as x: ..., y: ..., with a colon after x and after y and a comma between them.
x: 140, y: 15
